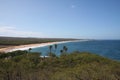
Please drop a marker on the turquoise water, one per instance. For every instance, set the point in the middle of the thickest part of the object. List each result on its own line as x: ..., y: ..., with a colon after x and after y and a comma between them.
x: 106, y: 48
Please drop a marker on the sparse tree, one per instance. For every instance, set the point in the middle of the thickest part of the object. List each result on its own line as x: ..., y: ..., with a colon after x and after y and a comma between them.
x: 61, y: 51
x: 65, y: 48
x: 50, y: 48
x: 29, y: 49
x: 55, y: 47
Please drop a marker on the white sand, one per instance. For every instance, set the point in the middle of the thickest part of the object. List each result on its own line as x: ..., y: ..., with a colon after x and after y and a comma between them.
x: 26, y: 47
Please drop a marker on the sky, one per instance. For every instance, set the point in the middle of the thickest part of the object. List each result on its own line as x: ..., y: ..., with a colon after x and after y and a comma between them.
x: 82, y: 19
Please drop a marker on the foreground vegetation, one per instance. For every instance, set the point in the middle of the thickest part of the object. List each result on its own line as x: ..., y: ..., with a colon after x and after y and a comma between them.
x: 26, y: 65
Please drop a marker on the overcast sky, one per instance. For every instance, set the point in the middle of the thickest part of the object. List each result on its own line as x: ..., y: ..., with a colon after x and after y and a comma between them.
x: 93, y: 19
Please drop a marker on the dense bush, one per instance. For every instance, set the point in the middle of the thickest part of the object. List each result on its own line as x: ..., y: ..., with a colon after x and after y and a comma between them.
x: 75, y: 66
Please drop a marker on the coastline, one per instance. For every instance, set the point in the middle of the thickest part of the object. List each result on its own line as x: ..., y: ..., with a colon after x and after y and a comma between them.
x: 26, y: 47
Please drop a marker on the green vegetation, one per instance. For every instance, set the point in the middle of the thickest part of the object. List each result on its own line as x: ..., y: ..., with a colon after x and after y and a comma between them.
x: 26, y: 65
x: 7, y: 41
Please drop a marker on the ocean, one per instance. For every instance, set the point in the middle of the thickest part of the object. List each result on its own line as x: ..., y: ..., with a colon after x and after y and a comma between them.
x: 106, y: 48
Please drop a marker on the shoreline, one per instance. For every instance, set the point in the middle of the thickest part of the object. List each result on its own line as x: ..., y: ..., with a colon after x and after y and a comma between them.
x: 26, y: 47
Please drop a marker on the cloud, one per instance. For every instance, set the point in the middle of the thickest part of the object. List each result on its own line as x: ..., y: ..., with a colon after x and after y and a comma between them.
x: 14, y: 32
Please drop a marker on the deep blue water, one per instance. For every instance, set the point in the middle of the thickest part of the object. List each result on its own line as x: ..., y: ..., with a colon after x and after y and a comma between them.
x: 106, y: 48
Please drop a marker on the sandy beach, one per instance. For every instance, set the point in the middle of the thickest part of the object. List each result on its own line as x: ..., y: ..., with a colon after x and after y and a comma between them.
x: 26, y: 47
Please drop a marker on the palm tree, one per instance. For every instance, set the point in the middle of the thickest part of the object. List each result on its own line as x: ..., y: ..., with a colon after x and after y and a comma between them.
x: 65, y: 48
x: 50, y: 48
x: 29, y: 49
x: 55, y: 47
x: 61, y: 51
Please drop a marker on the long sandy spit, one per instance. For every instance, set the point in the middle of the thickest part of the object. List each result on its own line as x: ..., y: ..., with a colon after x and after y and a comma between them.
x: 26, y: 47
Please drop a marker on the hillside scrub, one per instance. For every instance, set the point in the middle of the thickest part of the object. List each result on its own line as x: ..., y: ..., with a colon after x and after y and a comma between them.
x: 24, y: 65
